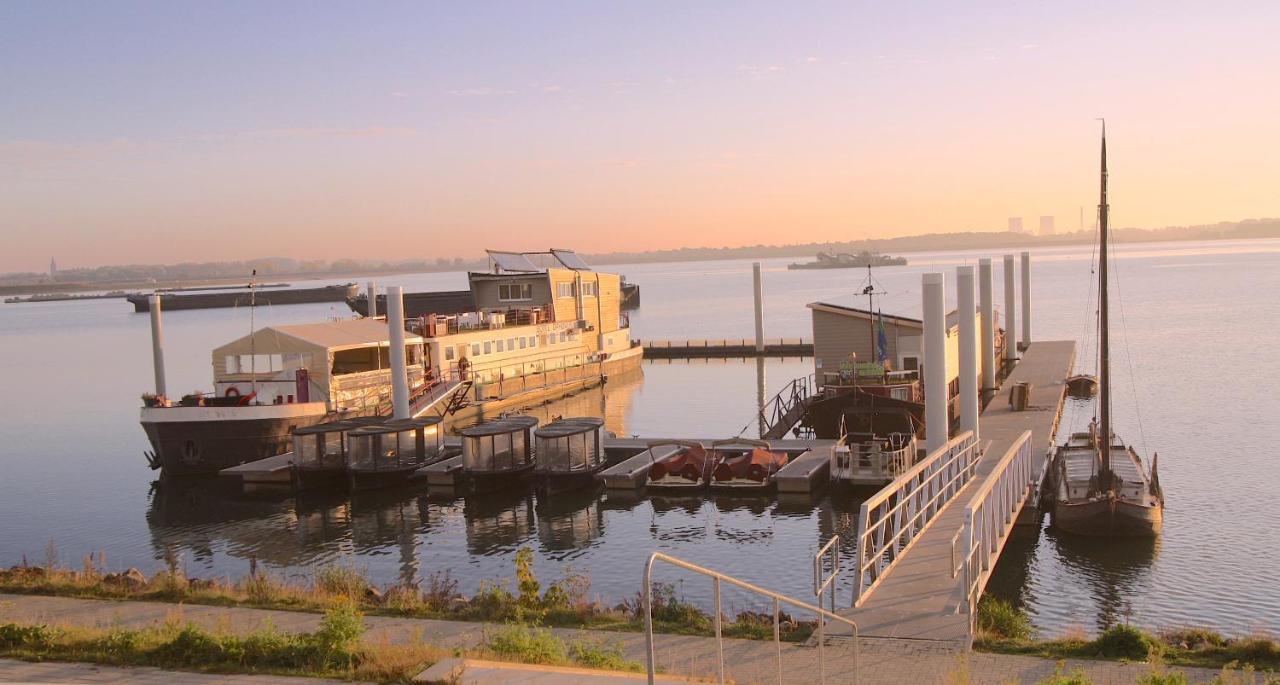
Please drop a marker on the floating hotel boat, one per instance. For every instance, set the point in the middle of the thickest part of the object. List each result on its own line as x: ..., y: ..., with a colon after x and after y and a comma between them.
x: 272, y: 382
x: 685, y: 466
x: 844, y: 260
x: 1082, y: 385
x: 744, y: 465
x: 875, y: 446
x: 446, y: 302
x: 320, y: 453
x: 249, y: 295
x: 498, y: 454
x: 389, y: 453
x: 570, y: 452
x: 1097, y: 483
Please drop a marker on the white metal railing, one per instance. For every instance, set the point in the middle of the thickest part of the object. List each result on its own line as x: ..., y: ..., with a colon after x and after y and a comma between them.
x: 826, y: 566
x: 717, y: 579
x: 990, y: 515
x: 891, y: 520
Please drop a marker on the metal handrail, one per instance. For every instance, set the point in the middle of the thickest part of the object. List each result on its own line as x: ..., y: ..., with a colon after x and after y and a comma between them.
x: 718, y: 578
x: 990, y: 515
x: 820, y: 582
x: 905, y: 507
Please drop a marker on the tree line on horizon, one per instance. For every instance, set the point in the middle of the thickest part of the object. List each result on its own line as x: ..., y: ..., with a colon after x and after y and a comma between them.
x: 282, y: 267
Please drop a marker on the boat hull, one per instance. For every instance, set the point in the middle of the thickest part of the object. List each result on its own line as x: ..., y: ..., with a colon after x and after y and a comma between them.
x: 1108, y: 518
x: 553, y: 482
x: 201, y: 441
x: 318, y: 478
x: 362, y: 480
x: 242, y: 298
x: 496, y: 481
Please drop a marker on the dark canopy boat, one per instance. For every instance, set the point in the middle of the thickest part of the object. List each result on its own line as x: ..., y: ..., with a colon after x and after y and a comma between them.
x: 743, y: 465
x: 685, y: 465
x: 498, y: 454
x: 570, y: 452
x: 320, y: 452
x: 388, y: 454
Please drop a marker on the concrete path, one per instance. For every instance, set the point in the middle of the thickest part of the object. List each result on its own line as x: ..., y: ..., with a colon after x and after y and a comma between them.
x: 26, y: 672
x: 919, y: 597
x: 880, y: 662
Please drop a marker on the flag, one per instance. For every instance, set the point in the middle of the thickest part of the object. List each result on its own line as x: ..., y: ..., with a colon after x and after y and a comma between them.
x: 882, y: 341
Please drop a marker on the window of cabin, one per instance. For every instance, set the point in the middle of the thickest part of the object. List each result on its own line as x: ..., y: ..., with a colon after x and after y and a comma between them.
x: 475, y: 349
x: 511, y: 343
x: 533, y: 341
x: 500, y: 347
x: 488, y: 347
x: 563, y: 336
x: 589, y: 289
x: 449, y: 353
x: 910, y: 364
x: 515, y: 292
x: 523, y: 342
x: 564, y: 289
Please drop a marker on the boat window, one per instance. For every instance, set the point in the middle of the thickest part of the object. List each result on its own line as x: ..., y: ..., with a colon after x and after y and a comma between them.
x: 433, y: 441
x: 360, y: 450
x: 407, y: 447
x: 304, y: 448
x: 511, y: 343
x: 448, y: 352
x: 523, y: 342
x: 232, y: 364
x: 488, y: 347
x: 910, y: 364
x: 332, y: 445
x: 499, y: 345
x: 533, y: 341
x: 564, y: 336
x: 475, y: 349
x: 588, y: 289
x: 564, y: 289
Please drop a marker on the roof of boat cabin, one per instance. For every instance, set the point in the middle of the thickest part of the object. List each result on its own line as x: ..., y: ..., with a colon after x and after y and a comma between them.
x: 571, y: 426
x: 397, y: 425
x: 857, y: 313
x: 509, y: 424
x: 344, y: 334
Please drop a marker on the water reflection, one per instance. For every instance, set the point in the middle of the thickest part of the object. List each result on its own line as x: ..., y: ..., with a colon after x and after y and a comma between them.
x: 570, y: 520
x: 1115, y: 572
x: 498, y: 521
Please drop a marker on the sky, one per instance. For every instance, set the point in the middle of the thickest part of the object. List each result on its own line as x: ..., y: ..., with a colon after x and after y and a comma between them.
x: 200, y: 131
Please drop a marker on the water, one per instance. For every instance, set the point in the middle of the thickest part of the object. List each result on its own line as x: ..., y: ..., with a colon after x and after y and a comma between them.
x: 1198, y: 320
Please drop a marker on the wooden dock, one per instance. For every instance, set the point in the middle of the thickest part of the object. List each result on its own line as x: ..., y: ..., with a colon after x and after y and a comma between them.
x: 726, y: 349
x: 919, y: 597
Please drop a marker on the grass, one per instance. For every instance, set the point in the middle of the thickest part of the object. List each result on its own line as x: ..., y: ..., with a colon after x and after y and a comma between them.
x: 334, y: 650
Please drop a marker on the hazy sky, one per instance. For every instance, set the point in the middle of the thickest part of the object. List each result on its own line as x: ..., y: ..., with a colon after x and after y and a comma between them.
x: 167, y: 131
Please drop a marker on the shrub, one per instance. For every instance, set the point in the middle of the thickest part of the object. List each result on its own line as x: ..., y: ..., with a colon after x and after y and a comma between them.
x: 1163, y: 678
x: 528, y: 644
x: 1077, y: 676
x: 530, y: 599
x: 340, y: 628
x: 1193, y: 638
x: 441, y: 592
x: 1122, y: 642
x: 593, y: 654
x: 342, y: 581
x: 37, y: 636
x: 1002, y: 619
x: 670, y: 608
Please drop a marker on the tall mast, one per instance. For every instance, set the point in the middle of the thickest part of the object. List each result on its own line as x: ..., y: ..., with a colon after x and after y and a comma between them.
x: 1104, y: 354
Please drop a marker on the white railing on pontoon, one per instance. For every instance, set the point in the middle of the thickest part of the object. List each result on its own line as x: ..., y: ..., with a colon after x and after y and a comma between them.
x: 893, y: 518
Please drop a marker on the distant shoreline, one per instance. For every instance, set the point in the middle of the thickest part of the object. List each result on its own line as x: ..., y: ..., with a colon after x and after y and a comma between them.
x: 1261, y: 229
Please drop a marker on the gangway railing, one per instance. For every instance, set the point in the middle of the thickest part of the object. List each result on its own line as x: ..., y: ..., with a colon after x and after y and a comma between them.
x: 778, y: 415
x: 990, y: 516
x: 891, y: 520
x: 717, y: 580
x: 826, y: 567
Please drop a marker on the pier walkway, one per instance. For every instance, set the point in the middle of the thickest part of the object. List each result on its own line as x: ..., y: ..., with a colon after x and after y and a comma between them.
x: 920, y: 597
x: 725, y: 349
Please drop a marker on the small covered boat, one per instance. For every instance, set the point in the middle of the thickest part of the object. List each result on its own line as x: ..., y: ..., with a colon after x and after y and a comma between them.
x: 744, y: 465
x: 388, y: 454
x: 570, y: 452
x: 1082, y: 385
x: 684, y: 465
x: 320, y: 453
x: 875, y: 446
x: 498, y: 454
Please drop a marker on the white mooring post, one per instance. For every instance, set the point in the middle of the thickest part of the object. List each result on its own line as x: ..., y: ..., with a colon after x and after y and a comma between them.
x: 1026, y: 299
x: 968, y: 350
x: 371, y: 290
x: 157, y: 345
x: 759, y: 290
x: 986, y: 302
x: 399, y: 372
x: 1010, y: 311
x: 936, y: 425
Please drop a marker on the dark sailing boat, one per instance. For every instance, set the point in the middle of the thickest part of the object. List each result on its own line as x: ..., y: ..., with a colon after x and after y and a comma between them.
x: 1099, y: 487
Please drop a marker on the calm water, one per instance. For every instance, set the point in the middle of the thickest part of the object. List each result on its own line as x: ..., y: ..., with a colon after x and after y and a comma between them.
x: 1200, y: 322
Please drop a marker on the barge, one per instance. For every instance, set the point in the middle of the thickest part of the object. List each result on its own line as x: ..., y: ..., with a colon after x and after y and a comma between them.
x: 242, y: 296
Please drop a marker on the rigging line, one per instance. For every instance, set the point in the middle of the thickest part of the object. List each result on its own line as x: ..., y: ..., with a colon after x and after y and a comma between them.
x: 1124, y: 332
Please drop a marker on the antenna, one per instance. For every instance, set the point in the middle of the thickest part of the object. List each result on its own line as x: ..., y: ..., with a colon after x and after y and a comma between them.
x: 869, y: 288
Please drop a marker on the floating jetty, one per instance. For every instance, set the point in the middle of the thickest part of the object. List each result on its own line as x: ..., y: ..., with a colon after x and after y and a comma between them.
x: 242, y: 296
x: 726, y: 349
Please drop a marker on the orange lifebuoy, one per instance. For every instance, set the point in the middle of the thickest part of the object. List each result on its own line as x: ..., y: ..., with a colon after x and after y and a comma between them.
x: 232, y: 392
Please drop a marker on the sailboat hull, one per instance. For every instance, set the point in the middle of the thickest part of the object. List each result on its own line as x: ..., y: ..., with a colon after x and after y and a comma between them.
x: 1108, y: 518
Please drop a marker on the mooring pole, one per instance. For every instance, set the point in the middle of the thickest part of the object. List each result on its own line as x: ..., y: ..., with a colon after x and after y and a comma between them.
x: 936, y: 424
x: 399, y: 370
x: 968, y: 350
x: 371, y: 290
x: 157, y: 346
x: 759, y: 291
x: 1010, y: 311
x: 1026, y: 299
x: 988, y: 325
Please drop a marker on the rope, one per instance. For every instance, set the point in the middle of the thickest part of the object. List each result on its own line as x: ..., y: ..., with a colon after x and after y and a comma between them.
x: 1124, y: 332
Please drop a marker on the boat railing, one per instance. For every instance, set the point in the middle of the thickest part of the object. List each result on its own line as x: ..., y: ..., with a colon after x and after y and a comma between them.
x: 877, y: 457
x: 719, y: 579
x: 784, y: 409
x: 890, y: 521
x: 989, y: 517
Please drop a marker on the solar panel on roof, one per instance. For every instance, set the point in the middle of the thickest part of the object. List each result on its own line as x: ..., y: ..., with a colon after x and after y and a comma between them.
x: 513, y: 261
x: 571, y: 260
